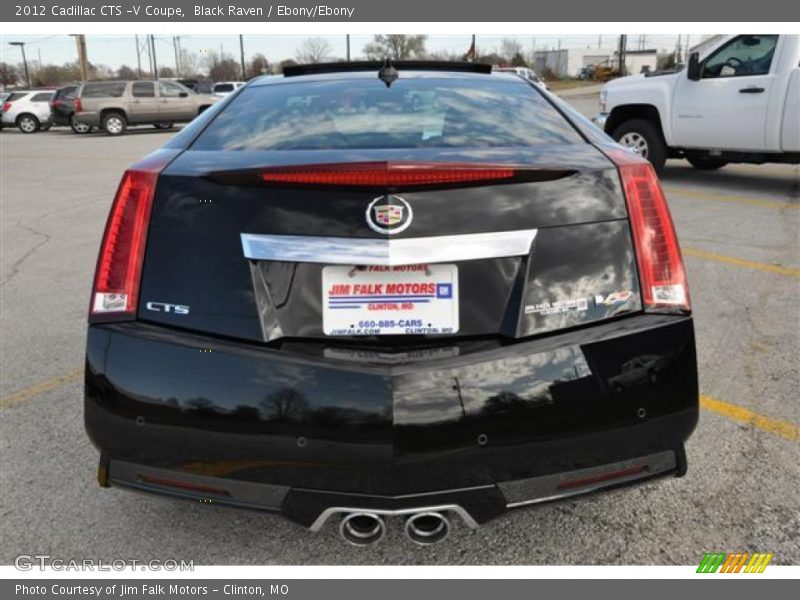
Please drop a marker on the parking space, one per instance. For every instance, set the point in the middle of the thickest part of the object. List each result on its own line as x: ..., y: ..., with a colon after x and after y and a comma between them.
x: 740, y: 230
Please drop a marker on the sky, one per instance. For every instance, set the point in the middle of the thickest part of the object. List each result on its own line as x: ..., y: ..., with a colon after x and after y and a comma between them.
x: 116, y: 50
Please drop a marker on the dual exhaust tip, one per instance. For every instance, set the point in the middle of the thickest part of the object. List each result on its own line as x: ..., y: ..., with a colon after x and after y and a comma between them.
x: 366, y: 528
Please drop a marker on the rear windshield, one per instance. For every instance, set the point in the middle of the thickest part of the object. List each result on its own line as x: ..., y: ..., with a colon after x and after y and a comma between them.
x: 365, y: 114
x: 103, y: 90
x: 223, y: 87
x: 67, y: 93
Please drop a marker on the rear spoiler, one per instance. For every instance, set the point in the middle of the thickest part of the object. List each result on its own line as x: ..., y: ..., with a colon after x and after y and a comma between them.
x: 375, y: 65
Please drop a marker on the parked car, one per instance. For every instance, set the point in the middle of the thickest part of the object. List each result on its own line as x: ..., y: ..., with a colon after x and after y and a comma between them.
x: 3, y: 97
x: 737, y: 101
x: 62, y: 109
x: 114, y: 105
x: 526, y: 73
x: 358, y: 306
x: 28, y: 110
x: 225, y: 88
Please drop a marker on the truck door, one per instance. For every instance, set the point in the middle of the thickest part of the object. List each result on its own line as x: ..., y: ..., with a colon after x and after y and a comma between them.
x: 176, y: 105
x: 727, y: 107
x: 144, y: 104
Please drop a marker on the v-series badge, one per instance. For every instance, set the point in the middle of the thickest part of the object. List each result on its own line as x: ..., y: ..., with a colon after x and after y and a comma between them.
x: 177, y: 309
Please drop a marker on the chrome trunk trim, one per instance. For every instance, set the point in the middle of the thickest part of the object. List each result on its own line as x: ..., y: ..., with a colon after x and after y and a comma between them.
x: 387, y: 252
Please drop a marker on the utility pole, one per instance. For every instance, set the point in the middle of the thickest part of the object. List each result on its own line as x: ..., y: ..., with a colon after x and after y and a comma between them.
x: 153, y: 50
x: 347, y: 37
x: 600, y: 41
x: 80, y: 41
x: 623, y: 41
x: 24, y: 61
x: 177, y: 56
x: 241, y: 56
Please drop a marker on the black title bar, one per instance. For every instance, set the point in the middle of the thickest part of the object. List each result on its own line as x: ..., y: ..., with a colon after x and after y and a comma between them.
x: 183, y: 11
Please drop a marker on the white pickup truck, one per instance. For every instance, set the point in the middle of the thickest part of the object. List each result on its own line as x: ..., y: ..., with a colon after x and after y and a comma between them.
x: 738, y: 100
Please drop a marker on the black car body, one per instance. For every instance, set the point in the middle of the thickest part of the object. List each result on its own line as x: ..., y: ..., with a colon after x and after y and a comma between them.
x: 219, y: 363
x: 62, y: 109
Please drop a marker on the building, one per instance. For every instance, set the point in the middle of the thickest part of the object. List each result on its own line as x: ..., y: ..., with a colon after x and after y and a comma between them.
x: 568, y: 62
x: 639, y: 61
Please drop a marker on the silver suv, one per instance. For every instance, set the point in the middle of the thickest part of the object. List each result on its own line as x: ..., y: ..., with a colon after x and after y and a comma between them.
x: 114, y: 105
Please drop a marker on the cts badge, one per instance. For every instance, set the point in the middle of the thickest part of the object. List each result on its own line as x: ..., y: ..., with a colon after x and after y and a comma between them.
x: 176, y: 309
x: 389, y: 214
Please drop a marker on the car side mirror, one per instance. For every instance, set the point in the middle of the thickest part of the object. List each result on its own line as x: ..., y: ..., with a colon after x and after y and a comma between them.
x: 184, y: 94
x: 693, y: 71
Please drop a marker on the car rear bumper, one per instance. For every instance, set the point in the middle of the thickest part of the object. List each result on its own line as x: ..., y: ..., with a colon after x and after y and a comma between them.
x: 309, y: 432
x: 59, y: 119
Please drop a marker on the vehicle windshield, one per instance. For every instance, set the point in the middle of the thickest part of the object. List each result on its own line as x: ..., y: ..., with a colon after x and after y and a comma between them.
x: 365, y: 114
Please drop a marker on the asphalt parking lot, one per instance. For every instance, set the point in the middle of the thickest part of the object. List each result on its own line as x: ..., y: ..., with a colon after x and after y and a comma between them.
x: 740, y: 231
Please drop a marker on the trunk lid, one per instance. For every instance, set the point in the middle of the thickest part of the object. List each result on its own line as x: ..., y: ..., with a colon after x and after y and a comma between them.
x: 579, y: 268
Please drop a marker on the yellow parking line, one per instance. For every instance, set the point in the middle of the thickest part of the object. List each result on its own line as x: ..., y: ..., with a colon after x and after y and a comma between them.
x: 784, y: 429
x: 39, y: 388
x: 741, y: 262
x: 724, y: 198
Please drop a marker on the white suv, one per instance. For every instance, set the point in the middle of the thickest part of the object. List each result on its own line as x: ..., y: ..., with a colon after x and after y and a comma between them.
x: 225, y: 88
x: 28, y: 110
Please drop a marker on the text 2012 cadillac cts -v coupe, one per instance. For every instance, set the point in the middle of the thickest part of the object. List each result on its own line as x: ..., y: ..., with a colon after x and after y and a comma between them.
x: 360, y: 291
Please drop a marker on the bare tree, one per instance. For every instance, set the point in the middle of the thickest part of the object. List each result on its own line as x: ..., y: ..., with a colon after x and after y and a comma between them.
x: 166, y: 72
x: 445, y: 55
x: 190, y: 64
x: 399, y: 47
x: 8, y: 74
x: 313, y: 50
x: 125, y: 72
x: 259, y: 65
x: 509, y: 49
x: 221, y: 67
x: 286, y: 63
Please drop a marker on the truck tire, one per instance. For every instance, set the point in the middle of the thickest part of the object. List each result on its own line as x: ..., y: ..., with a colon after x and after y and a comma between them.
x: 114, y: 123
x: 705, y: 163
x: 77, y: 126
x: 645, y: 138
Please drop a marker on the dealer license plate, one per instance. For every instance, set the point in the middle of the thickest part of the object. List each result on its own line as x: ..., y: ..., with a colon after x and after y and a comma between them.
x: 402, y: 300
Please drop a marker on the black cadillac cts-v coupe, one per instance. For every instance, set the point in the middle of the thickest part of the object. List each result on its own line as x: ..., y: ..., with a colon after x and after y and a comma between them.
x: 364, y: 291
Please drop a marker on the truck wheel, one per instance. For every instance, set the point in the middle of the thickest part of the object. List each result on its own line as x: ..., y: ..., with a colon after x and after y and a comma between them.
x: 644, y: 138
x: 706, y: 163
x: 28, y: 124
x: 77, y: 126
x: 114, y: 123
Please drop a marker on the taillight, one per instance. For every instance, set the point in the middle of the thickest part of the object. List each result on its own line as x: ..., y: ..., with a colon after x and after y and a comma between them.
x: 119, y: 265
x: 6, y: 106
x: 658, y: 255
x: 78, y: 107
x: 387, y: 174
